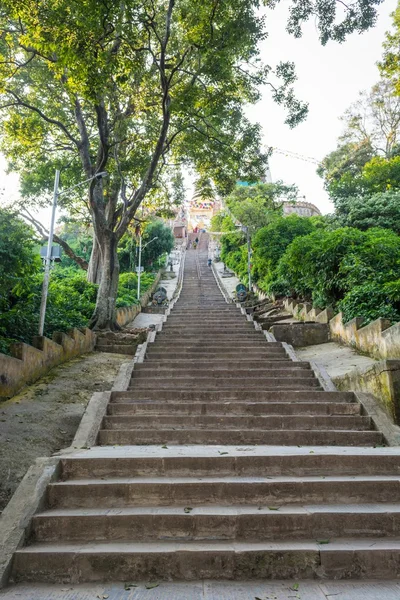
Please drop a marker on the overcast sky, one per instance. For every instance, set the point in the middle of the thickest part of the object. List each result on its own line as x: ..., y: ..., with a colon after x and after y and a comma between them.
x: 329, y: 78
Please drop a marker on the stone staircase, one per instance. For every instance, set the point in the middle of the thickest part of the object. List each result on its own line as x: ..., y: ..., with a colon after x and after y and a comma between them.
x: 223, y: 460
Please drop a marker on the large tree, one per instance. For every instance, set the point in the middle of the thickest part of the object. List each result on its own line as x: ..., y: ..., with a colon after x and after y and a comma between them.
x: 374, y: 120
x: 131, y: 87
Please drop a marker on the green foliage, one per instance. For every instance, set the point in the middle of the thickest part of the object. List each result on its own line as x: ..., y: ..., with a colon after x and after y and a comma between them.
x: 381, y: 174
x: 256, y: 206
x: 19, y: 258
x: 79, y: 238
x: 153, y: 254
x: 370, y: 301
x: 326, y: 266
x: 162, y: 245
x: 134, y: 87
x: 345, y: 176
x: 269, y: 245
x: 127, y: 289
x: 71, y: 300
x: 378, y: 210
x: 342, y: 169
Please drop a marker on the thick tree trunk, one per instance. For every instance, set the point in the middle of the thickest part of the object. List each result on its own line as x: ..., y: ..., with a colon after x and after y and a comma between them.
x: 95, y: 263
x: 104, y: 317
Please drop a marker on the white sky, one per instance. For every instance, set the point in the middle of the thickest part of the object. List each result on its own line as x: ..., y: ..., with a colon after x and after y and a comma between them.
x: 329, y: 78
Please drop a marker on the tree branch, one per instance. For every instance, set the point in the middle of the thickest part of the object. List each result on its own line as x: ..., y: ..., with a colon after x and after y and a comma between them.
x: 81, y: 262
x: 55, y: 122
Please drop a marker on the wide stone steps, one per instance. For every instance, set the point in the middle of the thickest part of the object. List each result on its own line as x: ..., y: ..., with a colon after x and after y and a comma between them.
x: 212, y: 373
x: 283, y: 437
x: 194, y: 491
x: 225, y: 459
x: 218, y: 345
x: 188, y: 561
x: 244, y: 395
x: 229, y: 408
x: 228, y: 461
x: 219, y: 364
x: 206, y: 383
x: 200, y: 354
x: 203, y: 523
x: 259, y: 422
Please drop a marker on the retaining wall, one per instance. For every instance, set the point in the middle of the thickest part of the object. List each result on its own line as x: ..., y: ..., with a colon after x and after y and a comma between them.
x: 126, y: 314
x: 379, y: 339
x: 381, y: 379
x: 28, y: 363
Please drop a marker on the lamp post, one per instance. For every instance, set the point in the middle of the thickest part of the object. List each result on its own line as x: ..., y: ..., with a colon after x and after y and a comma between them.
x: 140, y: 262
x: 47, y: 260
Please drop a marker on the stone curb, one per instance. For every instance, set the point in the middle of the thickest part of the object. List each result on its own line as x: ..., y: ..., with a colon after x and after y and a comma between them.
x: 26, y: 501
x: 220, y: 285
x: 381, y: 420
x: 323, y: 377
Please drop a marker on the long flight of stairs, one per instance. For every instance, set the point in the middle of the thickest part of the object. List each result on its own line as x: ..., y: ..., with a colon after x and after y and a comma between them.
x: 223, y: 460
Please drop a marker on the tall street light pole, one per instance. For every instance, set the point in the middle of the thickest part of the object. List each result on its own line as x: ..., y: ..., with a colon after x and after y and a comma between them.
x: 47, y: 260
x: 140, y: 262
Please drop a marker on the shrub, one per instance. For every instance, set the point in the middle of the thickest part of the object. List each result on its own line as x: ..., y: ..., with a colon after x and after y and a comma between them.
x: 369, y: 301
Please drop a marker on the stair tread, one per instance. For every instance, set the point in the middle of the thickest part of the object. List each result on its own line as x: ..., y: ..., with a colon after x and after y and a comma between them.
x: 222, y: 510
x: 369, y: 544
x: 229, y: 450
x: 226, y: 479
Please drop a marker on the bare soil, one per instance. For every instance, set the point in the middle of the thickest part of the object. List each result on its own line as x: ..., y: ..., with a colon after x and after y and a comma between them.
x: 43, y: 418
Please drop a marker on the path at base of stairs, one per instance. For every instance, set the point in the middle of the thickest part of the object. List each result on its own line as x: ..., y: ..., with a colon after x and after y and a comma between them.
x: 209, y: 590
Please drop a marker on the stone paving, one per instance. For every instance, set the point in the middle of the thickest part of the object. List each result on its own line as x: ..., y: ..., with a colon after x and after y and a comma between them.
x: 226, y: 460
x: 212, y: 590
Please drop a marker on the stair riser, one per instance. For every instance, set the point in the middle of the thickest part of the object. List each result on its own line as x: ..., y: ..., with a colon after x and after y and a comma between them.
x: 219, y: 319
x: 258, y: 340
x: 187, y: 565
x: 212, y: 336
x: 201, y: 383
x: 195, y: 354
x: 181, y: 409
x: 229, y: 466
x: 122, y: 495
x: 221, y: 374
x: 238, y: 395
x: 218, y: 365
x: 205, y: 327
x: 263, y: 423
x: 274, y: 438
x: 260, y: 527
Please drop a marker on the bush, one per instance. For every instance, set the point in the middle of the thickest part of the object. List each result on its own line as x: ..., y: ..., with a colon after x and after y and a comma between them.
x: 70, y: 303
x: 335, y: 267
x: 127, y: 289
x: 369, y: 301
x: 270, y: 243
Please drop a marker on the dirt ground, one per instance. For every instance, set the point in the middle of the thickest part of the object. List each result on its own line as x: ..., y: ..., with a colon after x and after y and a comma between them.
x: 44, y: 417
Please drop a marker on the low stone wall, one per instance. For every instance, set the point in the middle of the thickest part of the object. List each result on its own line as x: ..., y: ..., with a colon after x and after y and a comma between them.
x: 379, y: 339
x: 381, y: 379
x: 28, y: 363
x: 126, y: 314
x: 300, y: 335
